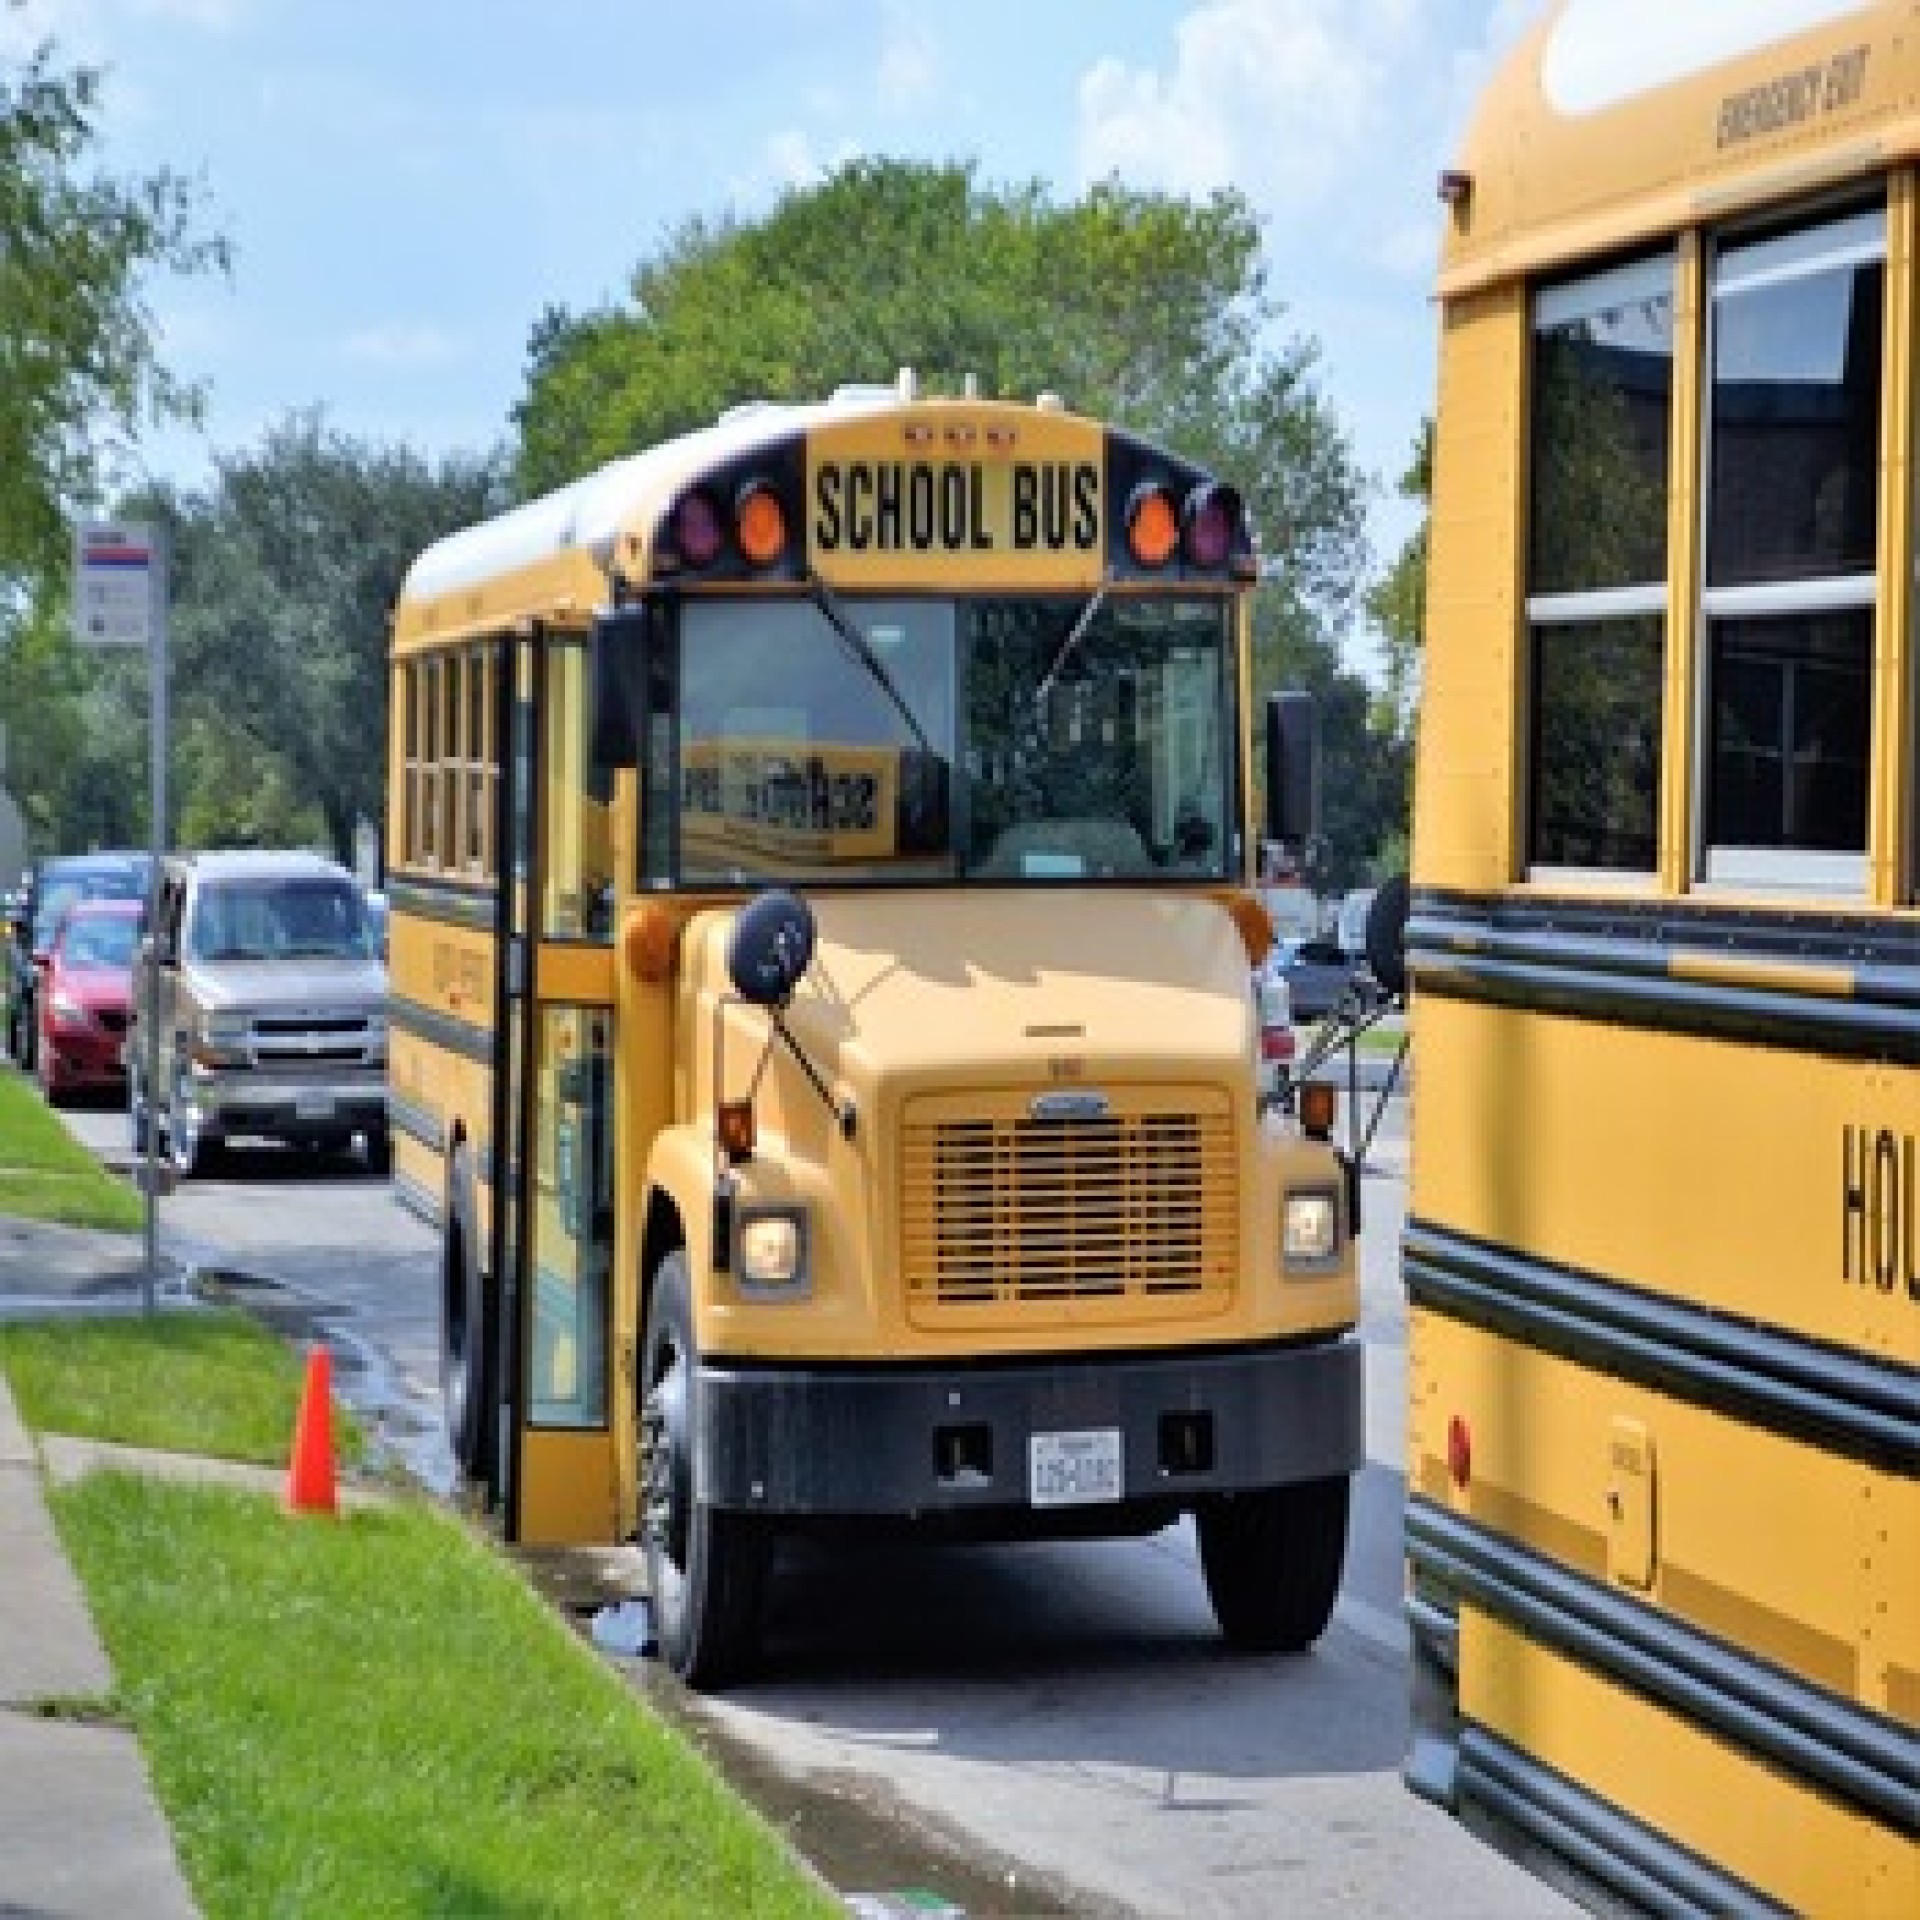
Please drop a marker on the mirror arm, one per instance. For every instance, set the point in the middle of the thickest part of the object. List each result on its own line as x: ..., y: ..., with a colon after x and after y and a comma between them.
x: 843, y: 1111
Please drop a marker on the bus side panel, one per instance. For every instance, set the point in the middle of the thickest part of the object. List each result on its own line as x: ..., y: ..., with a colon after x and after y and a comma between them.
x: 1637, y: 1155
x: 439, y: 1056
x: 1806, y: 1851
x: 1464, y: 803
x: 1805, y: 1557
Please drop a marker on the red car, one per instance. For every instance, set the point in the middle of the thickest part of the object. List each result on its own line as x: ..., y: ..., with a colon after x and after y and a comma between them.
x: 86, y: 984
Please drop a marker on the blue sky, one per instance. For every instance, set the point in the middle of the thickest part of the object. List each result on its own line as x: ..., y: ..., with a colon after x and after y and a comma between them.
x: 408, y: 184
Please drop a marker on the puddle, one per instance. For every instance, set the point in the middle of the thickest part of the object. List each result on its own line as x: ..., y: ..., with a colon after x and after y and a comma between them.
x: 882, y: 1858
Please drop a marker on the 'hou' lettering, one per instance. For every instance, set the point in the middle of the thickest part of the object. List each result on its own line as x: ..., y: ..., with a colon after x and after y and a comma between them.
x: 1879, y: 1200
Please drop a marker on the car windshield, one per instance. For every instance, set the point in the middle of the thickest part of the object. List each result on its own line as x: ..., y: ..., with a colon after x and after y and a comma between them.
x: 1009, y: 739
x: 275, y: 918
x: 99, y: 939
x: 61, y: 888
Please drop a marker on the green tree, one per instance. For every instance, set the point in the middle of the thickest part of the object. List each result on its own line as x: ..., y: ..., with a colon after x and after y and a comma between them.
x: 284, y: 577
x: 1146, y: 310
x: 1397, y: 602
x: 79, y: 372
x: 1149, y: 311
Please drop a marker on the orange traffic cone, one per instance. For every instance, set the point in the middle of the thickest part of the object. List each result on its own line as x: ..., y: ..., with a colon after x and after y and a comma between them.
x: 310, y: 1477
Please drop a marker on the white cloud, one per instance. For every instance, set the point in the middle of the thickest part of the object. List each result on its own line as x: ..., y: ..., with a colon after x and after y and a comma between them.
x: 909, y: 59
x: 1277, y: 96
x: 791, y: 158
x: 401, y: 343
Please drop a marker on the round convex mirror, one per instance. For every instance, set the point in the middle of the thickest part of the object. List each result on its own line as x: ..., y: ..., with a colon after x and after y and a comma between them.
x: 771, y: 947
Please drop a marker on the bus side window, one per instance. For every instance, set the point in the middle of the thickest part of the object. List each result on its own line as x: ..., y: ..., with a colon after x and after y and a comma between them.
x: 576, y: 901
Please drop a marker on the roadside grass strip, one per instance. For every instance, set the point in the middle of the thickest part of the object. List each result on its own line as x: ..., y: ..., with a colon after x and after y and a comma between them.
x: 214, y: 1383
x: 46, y: 1174
x: 374, y: 1716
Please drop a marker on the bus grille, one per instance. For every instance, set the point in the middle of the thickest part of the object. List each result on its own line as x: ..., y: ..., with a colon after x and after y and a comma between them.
x: 1121, y: 1217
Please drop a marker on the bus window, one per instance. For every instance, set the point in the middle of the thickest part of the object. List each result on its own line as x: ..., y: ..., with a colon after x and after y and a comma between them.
x: 572, y: 1218
x: 1597, y: 561
x: 576, y: 900
x: 1792, y: 484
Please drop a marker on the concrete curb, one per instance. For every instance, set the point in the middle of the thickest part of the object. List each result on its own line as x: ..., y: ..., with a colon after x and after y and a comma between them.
x: 81, y: 1833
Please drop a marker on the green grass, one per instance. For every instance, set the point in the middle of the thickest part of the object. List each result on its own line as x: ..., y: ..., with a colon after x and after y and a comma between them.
x: 46, y: 1174
x: 374, y: 1716
x: 212, y: 1383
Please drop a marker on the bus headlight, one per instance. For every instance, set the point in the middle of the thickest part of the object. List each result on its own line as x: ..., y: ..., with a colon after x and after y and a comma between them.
x: 773, y: 1248
x: 1310, y: 1227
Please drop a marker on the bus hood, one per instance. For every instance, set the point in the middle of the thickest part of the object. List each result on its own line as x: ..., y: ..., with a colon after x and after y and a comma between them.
x: 937, y: 988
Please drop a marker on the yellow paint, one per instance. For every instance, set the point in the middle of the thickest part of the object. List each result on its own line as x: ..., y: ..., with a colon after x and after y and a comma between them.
x: 1801, y: 1557
x: 958, y: 489
x: 567, y: 1490
x: 1464, y: 794
x: 1814, y: 1856
x: 1549, y: 187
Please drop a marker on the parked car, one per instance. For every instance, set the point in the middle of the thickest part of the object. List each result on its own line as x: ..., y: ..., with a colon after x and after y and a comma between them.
x: 83, y: 996
x: 272, y: 1010
x: 1274, y: 1040
x: 52, y: 885
x: 1350, y: 928
x: 1318, y: 976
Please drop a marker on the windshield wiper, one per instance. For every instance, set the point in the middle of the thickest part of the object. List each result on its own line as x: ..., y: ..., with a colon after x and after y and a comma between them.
x: 1075, y: 634
x: 861, y: 648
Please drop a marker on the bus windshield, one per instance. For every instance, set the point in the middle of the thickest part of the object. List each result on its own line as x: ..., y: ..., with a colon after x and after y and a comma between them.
x: 1007, y: 739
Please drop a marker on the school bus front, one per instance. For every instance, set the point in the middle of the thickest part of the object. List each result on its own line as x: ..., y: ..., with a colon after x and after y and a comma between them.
x: 913, y: 1098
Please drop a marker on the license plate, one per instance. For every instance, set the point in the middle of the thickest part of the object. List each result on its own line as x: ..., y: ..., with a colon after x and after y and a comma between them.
x: 1073, y: 1469
x: 313, y: 1106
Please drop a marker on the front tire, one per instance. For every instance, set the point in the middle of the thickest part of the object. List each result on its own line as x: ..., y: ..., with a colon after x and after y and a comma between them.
x: 466, y: 1332
x: 1272, y: 1561
x: 706, y: 1567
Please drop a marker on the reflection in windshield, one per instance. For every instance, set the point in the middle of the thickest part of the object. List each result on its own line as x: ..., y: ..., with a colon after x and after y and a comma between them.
x: 279, y: 919
x: 955, y: 738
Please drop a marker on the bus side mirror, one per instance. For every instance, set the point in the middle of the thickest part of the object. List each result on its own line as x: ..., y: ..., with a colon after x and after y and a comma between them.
x: 616, y: 669
x: 771, y: 947
x: 1387, y: 936
x: 1293, y: 770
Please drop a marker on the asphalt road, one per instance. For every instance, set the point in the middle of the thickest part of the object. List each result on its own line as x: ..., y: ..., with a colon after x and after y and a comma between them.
x: 1046, y: 1729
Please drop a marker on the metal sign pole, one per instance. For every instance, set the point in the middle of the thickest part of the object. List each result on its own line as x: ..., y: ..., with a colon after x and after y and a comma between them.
x: 120, y: 595
x: 150, y: 1019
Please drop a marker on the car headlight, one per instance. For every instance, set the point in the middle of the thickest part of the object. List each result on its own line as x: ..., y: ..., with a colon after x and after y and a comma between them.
x: 772, y: 1248
x: 221, y: 1040
x: 67, y: 1011
x: 1310, y: 1227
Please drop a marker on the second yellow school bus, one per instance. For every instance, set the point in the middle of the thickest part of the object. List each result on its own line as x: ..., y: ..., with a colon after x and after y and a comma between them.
x: 822, y: 1023
x: 1663, y: 1244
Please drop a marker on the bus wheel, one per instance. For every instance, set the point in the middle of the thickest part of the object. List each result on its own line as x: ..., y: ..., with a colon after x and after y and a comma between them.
x: 705, y: 1567
x: 466, y: 1374
x: 1272, y: 1561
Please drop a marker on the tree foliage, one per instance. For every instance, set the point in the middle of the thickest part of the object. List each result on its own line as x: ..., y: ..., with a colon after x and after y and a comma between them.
x: 284, y: 580
x: 284, y: 573
x: 79, y: 373
x: 1397, y: 601
x: 1145, y: 310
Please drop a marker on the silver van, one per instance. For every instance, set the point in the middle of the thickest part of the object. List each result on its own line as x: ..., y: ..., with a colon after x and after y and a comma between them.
x: 272, y: 1010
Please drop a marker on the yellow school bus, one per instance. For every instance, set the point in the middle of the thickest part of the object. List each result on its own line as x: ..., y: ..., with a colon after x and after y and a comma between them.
x: 1662, y: 1253
x: 821, y: 1019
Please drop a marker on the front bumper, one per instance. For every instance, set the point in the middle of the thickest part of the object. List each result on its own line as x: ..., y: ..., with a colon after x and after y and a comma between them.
x: 270, y: 1107
x: 953, y: 1441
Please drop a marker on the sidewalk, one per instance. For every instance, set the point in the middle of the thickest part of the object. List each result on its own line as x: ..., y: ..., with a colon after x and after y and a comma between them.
x: 81, y: 1834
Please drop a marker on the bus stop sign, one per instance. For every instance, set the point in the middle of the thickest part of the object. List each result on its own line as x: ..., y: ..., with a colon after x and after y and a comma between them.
x: 115, y: 585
